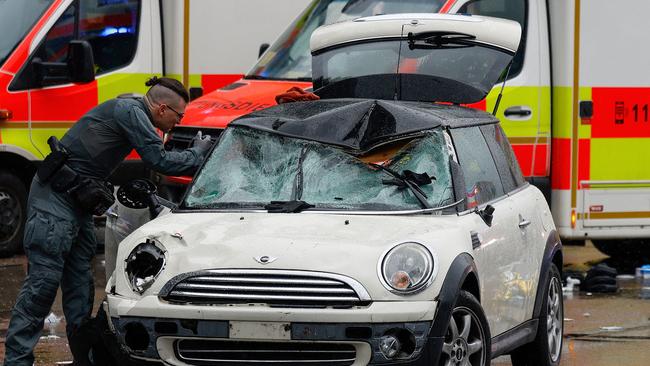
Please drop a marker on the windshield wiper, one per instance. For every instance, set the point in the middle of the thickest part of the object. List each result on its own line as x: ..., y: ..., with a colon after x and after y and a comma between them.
x: 430, y: 40
x: 287, y: 206
x: 410, y: 180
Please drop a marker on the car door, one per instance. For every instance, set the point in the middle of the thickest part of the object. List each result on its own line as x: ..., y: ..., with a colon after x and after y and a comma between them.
x: 528, y: 206
x: 499, y: 250
x: 122, y: 44
x: 525, y: 108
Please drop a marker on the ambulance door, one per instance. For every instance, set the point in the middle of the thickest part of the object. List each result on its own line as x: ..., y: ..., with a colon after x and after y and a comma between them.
x: 611, y: 194
x: 119, y: 32
x: 525, y: 108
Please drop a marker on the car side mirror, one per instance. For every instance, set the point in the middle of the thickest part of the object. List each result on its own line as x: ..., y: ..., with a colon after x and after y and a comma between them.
x: 81, y: 64
x: 263, y: 48
x: 486, y: 214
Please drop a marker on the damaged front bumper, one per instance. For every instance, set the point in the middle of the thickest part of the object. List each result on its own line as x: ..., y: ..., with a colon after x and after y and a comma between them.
x: 153, y: 330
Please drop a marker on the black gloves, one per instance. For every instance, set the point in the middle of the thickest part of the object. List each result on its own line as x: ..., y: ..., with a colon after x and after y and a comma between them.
x: 202, y: 143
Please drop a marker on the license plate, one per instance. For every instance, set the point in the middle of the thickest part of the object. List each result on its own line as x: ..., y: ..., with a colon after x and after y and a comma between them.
x: 259, y: 330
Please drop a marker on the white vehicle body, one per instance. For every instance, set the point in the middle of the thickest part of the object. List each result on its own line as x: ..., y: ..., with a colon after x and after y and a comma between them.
x: 318, y: 278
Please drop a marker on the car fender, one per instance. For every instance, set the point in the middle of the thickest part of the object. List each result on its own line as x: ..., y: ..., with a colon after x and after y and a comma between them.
x: 553, y: 246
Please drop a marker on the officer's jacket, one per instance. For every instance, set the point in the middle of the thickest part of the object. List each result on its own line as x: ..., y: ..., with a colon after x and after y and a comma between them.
x: 104, y: 136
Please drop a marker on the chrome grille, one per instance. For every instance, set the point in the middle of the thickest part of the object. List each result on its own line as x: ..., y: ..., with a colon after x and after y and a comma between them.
x: 276, y: 288
x: 221, y: 352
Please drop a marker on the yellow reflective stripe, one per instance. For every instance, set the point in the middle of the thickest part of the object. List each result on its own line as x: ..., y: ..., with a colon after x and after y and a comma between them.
x: 112, y: 85
x: 536, y: 97
x: 20, y: 137
x: 194, y: 79
x: 619, y: 159
x: 614, y: 215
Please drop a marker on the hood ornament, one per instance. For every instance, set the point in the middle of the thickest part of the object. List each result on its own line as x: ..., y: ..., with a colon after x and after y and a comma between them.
x: 265, y: 259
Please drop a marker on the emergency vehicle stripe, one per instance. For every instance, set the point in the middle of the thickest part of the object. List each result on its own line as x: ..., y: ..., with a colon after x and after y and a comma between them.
x: 48, y: 124
x: 614, y: 215
x: 446, y: 6
x: 576, y: 91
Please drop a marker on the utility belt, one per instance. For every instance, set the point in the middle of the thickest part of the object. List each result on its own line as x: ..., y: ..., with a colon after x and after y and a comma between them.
x: 94, y: 196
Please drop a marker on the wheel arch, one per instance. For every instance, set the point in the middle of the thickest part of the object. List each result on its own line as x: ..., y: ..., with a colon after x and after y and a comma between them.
x: 552, y: 255
x: 18, y: 162
x: 462, y: 275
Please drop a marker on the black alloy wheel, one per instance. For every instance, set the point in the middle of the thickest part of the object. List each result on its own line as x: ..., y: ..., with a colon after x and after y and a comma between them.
x: 467, y: 339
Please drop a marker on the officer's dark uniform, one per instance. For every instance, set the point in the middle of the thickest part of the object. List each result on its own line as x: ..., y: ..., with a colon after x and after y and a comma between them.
x: 59, y: 237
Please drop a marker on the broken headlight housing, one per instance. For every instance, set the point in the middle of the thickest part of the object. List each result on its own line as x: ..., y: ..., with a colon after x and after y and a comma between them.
x: 143, y: 265
x: 407, y: 268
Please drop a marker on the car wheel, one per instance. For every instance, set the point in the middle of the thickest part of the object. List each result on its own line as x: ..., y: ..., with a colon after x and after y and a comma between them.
x: 13, y: 201
x: 546, y: 349
x: 467, y: 339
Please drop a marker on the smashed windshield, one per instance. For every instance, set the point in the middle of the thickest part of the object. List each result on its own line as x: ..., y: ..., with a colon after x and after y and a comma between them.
x: 289, y: 57
x: 17, y: 17
x: 439, y: 68
x: 250, y: 168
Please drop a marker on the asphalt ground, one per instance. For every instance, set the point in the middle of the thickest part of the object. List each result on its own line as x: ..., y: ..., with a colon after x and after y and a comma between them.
x: 600, y: 329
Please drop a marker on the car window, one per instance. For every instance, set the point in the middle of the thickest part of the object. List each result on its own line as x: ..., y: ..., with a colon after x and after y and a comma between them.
x: 509, y: 154
x: 482, y: 180
x: 516, y: 10
x: 251, y: 168
x: 110, y: 26
x: 493, y: 139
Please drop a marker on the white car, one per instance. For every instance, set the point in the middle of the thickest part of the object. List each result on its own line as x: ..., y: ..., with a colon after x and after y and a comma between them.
x: 369, y: 227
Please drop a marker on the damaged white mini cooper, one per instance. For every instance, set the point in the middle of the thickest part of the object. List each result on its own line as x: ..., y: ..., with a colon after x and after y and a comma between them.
x: 383, y: 224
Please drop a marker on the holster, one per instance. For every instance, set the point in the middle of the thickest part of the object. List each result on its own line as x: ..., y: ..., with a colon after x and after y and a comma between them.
x: 93, y: 196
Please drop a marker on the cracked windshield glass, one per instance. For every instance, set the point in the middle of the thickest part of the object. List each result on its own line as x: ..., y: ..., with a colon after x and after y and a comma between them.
x: 289, y: 57
x: 251, y: 168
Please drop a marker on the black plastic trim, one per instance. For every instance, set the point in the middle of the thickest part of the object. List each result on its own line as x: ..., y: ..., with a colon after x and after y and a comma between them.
x: 518, y: 336
x: 553, y: 245
x: 460, y: 268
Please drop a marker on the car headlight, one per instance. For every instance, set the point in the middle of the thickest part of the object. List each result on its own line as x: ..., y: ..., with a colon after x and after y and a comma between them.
x: 407, y: 268
x: 144, y: 264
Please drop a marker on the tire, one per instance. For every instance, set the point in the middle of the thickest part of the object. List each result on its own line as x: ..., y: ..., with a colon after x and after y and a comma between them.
x: 546, y: 349
x: 468, y: 335
x: 13, y: 210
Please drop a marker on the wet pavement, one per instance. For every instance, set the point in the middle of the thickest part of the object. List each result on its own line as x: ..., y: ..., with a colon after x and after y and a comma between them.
x: 600, y: 329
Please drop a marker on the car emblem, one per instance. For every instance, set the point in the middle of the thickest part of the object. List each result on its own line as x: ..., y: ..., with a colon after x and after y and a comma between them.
x: 265, y: 259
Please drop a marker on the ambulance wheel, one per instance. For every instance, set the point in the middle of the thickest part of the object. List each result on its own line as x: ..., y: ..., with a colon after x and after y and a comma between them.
x: 13, y: 202
x: 546, y: 349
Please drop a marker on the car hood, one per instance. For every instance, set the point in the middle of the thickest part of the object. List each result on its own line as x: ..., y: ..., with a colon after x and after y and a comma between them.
x: 341, y: 244
x: 218, y: 108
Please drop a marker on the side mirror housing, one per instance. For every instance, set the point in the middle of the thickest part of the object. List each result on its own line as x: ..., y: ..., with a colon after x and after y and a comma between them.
x: 81, y: 64
x: 263, y: 48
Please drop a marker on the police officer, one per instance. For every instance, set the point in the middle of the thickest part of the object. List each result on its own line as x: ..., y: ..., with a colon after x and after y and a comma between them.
x: 69, y: 188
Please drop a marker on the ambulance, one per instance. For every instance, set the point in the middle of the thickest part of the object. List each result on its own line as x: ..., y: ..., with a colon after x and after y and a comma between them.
x: 574, y: 106
x: 59, y: 58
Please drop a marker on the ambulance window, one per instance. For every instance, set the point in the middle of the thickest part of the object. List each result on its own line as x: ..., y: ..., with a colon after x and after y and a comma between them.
x: 482, y: 181
x: 110, y: 26
x: 504, y: 159
x: 508, y: 9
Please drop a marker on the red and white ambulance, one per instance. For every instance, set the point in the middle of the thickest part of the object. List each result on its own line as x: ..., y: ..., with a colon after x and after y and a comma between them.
x: 575, y: 103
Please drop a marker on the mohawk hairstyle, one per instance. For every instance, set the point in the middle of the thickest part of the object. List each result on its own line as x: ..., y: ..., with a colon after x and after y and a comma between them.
x: 169, y: 84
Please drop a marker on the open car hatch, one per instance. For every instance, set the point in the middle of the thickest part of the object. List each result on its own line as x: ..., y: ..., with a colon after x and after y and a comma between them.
x: 413, y: 57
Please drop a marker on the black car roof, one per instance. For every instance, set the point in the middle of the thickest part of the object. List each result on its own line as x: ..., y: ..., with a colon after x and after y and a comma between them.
x: 359, y: 125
